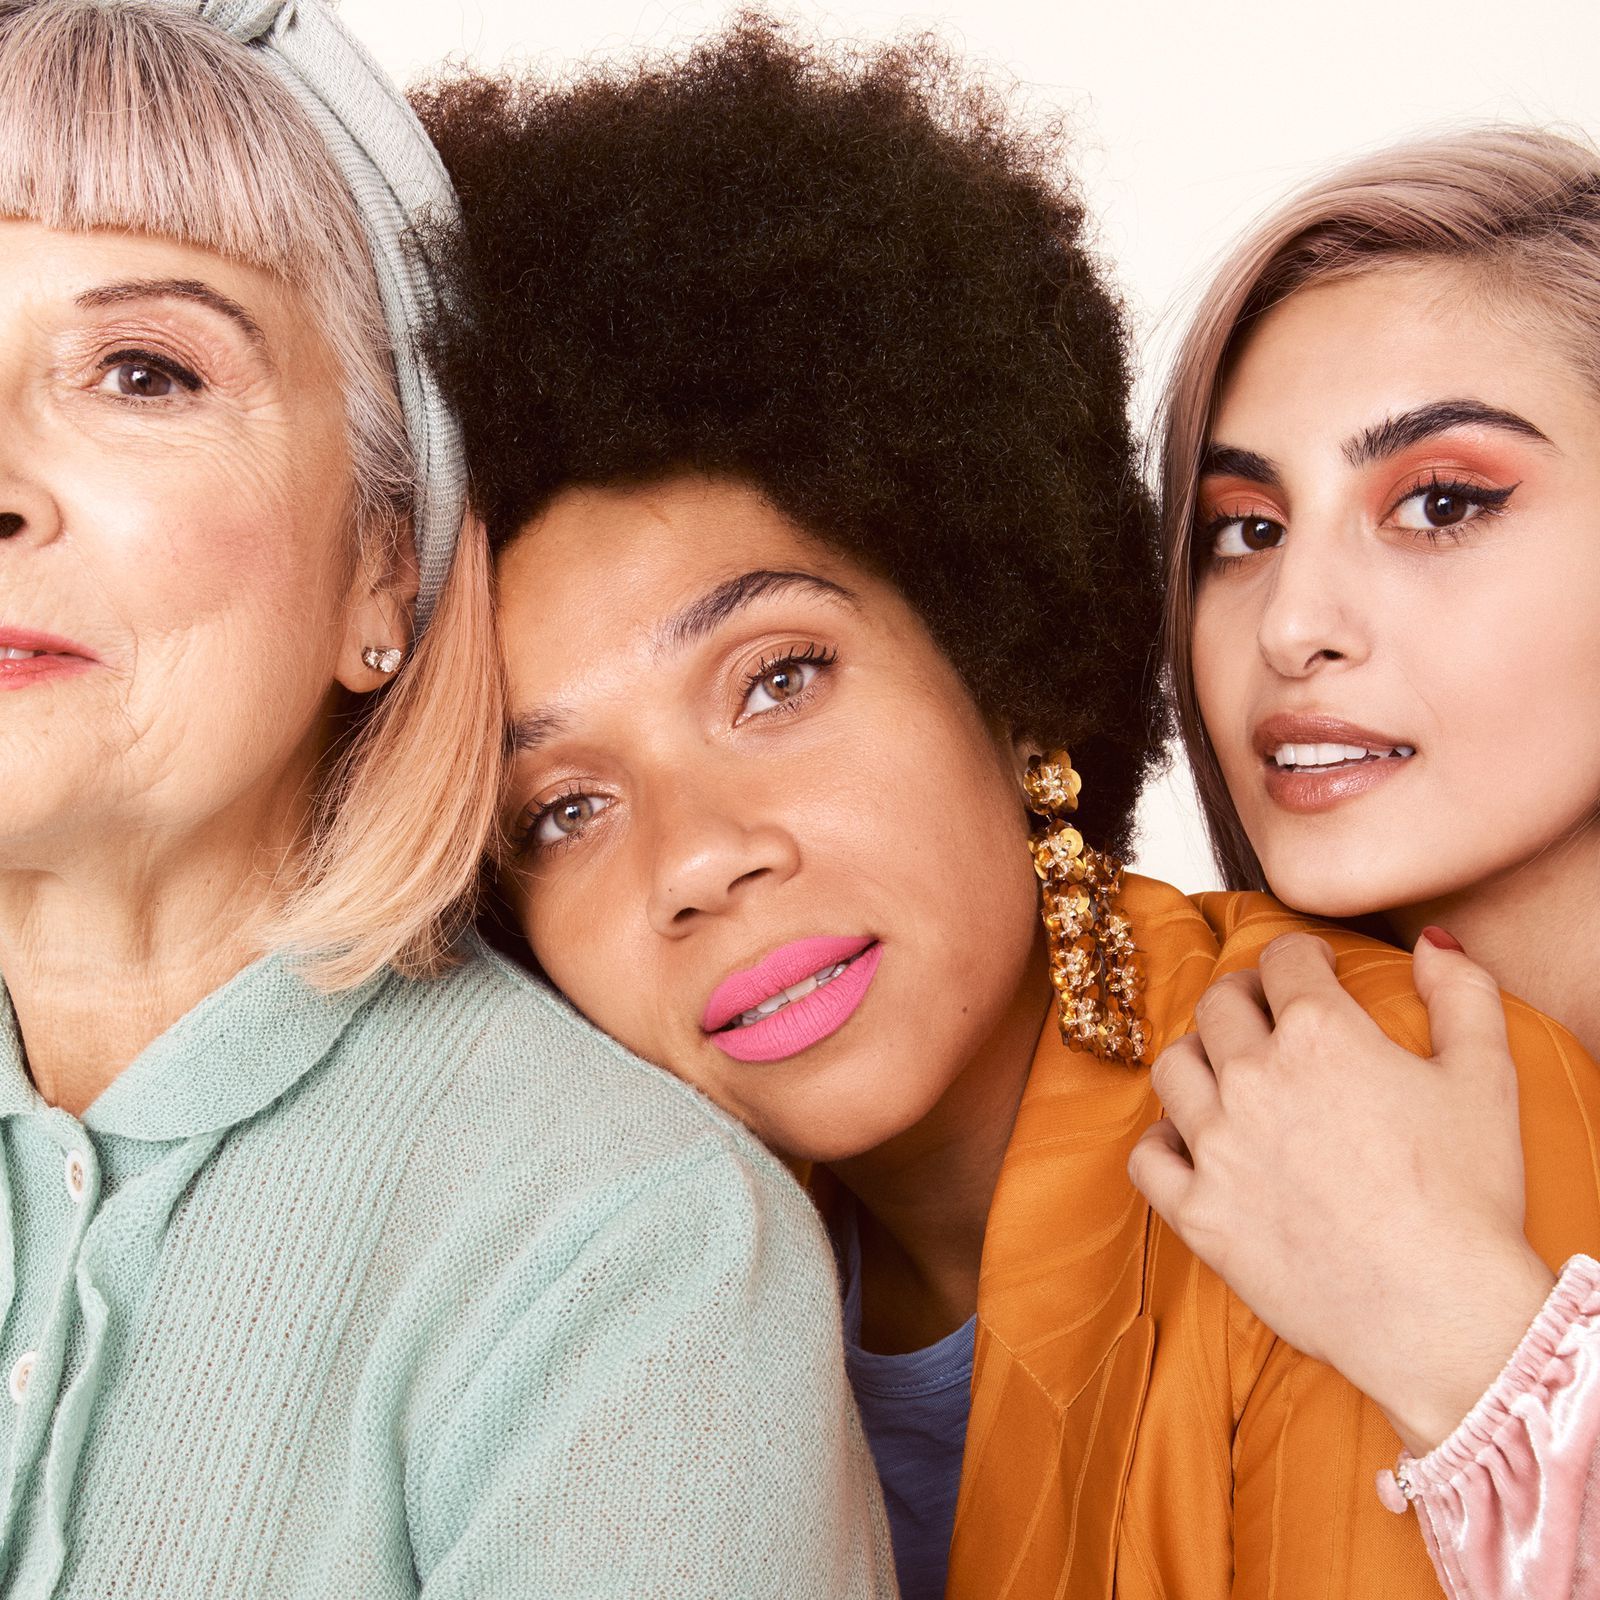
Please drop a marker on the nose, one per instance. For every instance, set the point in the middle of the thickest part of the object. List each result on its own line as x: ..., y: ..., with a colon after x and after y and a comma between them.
x: 28, y: 511
x: 1314, y: 612
x: 710, y: 851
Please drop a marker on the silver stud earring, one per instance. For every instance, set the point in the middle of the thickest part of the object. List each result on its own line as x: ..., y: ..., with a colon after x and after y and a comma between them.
x: 382, y: 660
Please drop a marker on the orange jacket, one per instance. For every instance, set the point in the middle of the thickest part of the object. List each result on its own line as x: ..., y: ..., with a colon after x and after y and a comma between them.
x: 1135, y: 1431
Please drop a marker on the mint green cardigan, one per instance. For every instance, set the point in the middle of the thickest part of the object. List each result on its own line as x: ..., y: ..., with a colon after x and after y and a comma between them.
x: 425, y: 1289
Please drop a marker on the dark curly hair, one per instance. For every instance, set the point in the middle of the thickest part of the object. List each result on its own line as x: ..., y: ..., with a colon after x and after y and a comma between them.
x: 853, y: 280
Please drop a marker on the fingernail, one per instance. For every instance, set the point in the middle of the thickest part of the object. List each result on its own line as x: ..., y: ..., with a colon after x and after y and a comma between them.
x: 1440, y: 939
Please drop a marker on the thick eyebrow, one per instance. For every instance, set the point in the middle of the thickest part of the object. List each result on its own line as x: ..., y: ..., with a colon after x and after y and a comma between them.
x: 699, y: 617
x: 1394, y: 434
x: 190, y: 289
x: 533, y: 728
x: 1224, y: 461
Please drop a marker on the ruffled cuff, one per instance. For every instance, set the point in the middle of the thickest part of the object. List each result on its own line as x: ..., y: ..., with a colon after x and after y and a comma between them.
x: 1507, y: 1497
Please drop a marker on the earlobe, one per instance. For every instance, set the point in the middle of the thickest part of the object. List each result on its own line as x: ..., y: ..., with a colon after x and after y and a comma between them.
x: 1023, y: 751
x: 378, y: 634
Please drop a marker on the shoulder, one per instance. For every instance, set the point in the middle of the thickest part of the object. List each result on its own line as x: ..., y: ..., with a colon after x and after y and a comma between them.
x: 1177, y: 952
x: 525, y: 1091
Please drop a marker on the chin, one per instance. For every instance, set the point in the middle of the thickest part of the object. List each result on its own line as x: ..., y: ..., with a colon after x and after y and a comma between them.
x: 1342, y: 896
x: 827, y: 1122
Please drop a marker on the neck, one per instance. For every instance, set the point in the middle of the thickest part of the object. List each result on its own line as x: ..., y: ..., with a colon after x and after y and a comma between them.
x: 925, y: 1194
x: 101, y: 957
x: 1535, y: 928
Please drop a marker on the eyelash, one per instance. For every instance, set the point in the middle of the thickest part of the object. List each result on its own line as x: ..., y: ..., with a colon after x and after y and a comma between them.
x: 526, y: 838
x: 811, y: 655
x: 180, y: 374
x: 1490, y: 503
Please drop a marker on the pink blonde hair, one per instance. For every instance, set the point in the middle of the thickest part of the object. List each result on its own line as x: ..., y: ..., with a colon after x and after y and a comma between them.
x: 1518, y: 207
x: 130, y: 115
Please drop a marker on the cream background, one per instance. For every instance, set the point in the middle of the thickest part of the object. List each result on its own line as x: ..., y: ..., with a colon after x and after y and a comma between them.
x: 1189, y: 118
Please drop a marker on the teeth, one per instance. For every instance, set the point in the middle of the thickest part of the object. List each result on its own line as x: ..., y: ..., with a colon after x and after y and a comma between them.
x: 9, y: 654
x: 1333, y: 755
x: 796, y: 991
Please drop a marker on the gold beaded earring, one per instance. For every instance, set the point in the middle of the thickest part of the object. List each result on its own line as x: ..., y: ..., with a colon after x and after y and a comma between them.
x: 1092, y: 966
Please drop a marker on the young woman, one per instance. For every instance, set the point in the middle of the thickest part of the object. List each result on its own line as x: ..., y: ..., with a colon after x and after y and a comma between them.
x: 797, y: 409
x: 1382, y: 467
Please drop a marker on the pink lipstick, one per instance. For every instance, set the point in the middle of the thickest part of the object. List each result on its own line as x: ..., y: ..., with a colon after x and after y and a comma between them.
x: 28, y: 658
x: 799, y: 995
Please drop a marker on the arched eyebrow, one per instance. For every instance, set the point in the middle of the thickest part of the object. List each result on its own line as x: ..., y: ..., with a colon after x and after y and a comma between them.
x: 1380, y: 441
x: 1394, y: 434
x: 697, y: 619
x: 1226, y: 461
x: 190, y: 289
x: 713, y: 608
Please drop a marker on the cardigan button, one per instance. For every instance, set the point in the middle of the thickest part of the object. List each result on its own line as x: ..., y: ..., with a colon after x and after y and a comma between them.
x: 77, y: 1175
x: 17, y: 1383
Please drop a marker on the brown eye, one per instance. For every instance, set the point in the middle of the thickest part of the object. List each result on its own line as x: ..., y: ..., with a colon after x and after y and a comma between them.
x: 143, y: 381
x: 133, y: 375
x: 783, y: 683
x: 1444, y: 509
x: 567, y: 817
x: 1233, y: 537
x: 780, y: 683
x: 1440, y: 506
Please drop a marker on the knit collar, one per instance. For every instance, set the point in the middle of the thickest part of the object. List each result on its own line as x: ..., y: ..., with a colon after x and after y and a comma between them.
x: 242, y: 1047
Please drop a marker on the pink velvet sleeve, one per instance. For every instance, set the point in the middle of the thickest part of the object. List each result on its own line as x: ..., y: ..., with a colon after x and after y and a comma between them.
x: 1510, y: 1502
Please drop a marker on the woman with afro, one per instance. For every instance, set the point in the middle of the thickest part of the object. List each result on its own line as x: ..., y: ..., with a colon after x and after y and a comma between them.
x: 797, y: 411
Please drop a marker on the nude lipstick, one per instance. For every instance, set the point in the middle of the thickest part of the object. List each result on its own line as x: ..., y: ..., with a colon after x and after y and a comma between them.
x: 797, y: 996
x: 1314, y: 762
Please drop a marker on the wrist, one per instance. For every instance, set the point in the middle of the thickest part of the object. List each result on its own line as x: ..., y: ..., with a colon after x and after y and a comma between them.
x: 1459, y: 1335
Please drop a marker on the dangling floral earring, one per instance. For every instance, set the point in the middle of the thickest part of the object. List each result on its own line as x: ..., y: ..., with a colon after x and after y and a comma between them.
x: 1092, y: 965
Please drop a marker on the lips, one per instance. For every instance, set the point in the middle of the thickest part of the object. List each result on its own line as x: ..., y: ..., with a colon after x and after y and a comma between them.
x: 832, y: 976
x: 1314, y: 729
x: 744, y: 991
x: 1314, y: 762
x: 27, y: 657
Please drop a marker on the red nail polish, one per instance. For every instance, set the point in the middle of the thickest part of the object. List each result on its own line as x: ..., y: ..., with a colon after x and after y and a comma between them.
x: 1440, y: 939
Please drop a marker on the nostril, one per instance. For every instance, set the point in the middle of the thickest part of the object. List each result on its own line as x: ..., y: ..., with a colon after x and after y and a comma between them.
x: 11, y: 524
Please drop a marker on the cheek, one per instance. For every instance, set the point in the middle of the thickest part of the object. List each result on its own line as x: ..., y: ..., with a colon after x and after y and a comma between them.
x: 216, y: 587
x: 582, y: 954
x: 1223, y: 655
x: 1519, y: 709
x: 249, y: 542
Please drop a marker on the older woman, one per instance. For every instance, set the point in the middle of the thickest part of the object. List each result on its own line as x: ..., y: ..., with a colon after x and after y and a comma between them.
x: 318, y: 1277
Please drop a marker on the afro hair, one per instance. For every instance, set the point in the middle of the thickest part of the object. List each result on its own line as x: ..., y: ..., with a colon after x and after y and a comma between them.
x: 854, y: 280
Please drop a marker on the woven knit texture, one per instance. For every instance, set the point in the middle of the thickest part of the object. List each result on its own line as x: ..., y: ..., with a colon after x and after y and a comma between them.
x: 422, y: 1290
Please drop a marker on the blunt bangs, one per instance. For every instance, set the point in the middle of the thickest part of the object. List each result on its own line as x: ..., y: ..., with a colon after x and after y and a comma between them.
x: 141, y: 119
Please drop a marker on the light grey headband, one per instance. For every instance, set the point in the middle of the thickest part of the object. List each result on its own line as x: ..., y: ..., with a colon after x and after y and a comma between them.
x: 397, y: 179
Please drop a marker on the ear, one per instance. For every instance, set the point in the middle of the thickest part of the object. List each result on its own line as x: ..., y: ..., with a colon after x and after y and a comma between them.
x: 378, y: 615
x: 1023, y: 750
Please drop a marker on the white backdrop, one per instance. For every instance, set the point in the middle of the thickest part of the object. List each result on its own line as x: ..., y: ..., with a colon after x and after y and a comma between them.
x: 1190, y: 119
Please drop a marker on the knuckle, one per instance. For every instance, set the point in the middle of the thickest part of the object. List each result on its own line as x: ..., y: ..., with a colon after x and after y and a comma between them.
x: 1303, y: 1024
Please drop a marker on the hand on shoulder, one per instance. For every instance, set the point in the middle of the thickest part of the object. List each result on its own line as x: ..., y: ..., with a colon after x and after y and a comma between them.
x: 1366, y: 1203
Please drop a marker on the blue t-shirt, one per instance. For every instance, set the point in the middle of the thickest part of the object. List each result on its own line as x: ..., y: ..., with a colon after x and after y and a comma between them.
x: 914, y: 1408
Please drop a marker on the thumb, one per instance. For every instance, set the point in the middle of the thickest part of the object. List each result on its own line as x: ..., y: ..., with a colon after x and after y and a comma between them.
x: 1463, y: 1001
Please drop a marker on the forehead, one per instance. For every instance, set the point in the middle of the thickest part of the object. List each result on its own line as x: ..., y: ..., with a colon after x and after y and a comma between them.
x: 599, y: 570
x: 58, y: 265
x: 1333, y: 359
